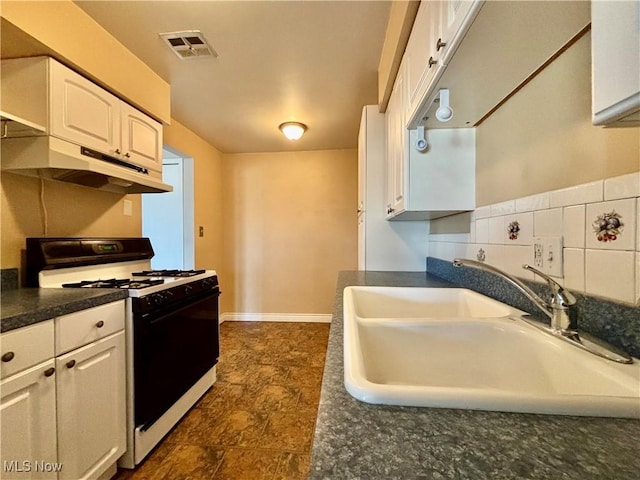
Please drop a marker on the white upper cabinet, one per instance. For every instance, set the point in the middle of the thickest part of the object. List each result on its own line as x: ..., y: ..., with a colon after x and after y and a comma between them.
x: 82, y: 112
x: 42, y: 91
x: 141, y: 138
x: 423, y: 55
x: 615, y: 54
x: 430, y: 184
x: 396, y: 151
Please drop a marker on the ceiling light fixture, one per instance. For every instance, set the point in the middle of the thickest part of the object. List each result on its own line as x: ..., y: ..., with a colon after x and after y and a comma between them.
x: 293, y: 130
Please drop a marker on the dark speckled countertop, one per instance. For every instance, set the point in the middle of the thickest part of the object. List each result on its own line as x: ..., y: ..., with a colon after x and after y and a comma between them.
x: 26, y: 306
x: 358, y: 440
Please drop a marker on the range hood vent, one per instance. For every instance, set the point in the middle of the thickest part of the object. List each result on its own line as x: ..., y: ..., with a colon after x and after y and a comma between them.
x: 188, y: 44
x: 52, y: 158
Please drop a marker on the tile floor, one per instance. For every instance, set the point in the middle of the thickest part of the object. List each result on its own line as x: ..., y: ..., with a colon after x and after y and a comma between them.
x: 257, y: 421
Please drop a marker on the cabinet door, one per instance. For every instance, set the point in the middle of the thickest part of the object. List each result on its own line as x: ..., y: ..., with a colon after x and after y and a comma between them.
x: 82, y: 112
x: 453, y: 16
x: 362, y: 183
x: 396, y: 149
x: 423, y: 55
x: 91, y: 408
x: 141, y: 139
x: 28, y: 419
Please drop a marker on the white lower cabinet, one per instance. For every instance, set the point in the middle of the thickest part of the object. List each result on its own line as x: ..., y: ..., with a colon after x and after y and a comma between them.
x: 91, y: 408
x: 28, y: 424
x: 64, y: 417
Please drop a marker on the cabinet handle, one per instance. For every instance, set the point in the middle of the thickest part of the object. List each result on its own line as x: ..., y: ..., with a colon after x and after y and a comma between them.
x: 7, y: 357
x: 440, y: 45
x: 49, y: 371
x: 71, y: 363
x: 390, y: 210
x: 100, y: 324
x: 432, y: 62
x: 127, y: 155
x: 117, y: 151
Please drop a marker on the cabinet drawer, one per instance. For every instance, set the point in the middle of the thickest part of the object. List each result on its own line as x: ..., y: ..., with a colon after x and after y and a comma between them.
x: 86, y: 326
x: 25, y: 347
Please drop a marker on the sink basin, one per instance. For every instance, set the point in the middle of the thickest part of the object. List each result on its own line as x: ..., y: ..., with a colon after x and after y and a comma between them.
x: 455, y: 348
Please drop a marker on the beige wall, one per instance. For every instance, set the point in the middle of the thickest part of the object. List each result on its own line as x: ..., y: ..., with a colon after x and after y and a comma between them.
x: 70, y: 211
x: 542, y: 139
x: 207, y: 192
x: 289, y: 227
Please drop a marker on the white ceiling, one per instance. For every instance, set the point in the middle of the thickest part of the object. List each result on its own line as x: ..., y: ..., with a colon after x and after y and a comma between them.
x: 309, y: 61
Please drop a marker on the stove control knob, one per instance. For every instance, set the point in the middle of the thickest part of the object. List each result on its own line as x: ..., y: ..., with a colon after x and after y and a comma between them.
x: 188, y: 290
x: 158, y: 299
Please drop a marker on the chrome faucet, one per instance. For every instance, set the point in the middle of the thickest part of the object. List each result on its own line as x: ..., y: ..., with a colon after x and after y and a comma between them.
x: 558, y: 309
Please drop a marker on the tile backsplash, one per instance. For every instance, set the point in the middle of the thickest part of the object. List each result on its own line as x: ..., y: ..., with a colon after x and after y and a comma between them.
x: 599, y: 223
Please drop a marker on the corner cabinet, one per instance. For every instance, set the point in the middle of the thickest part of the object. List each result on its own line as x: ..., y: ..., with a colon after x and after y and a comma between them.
x: 63, y: 406
x: 615, y: 55
x: 44, y: 92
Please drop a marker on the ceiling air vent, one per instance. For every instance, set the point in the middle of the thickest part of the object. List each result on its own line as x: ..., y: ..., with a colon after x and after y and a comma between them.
x: 188, y: 44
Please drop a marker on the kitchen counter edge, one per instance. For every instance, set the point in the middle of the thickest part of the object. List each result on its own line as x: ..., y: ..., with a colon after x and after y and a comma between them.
x: 27, y: 306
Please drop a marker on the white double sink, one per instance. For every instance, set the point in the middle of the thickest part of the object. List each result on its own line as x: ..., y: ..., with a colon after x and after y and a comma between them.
x: 455, y: 348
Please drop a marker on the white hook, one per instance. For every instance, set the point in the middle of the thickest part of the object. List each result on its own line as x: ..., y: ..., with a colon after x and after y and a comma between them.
x: 421, y: 141
x: 444, y: 113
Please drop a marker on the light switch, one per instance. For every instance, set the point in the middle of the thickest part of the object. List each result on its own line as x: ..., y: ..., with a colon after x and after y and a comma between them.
x: 547, y: 255
x: 201, y: 231
x: 128, y: 208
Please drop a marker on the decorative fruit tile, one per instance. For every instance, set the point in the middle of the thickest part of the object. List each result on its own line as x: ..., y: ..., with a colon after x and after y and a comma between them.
x: 611, y: 225
x: 513, y: 230
x: 519, y: 228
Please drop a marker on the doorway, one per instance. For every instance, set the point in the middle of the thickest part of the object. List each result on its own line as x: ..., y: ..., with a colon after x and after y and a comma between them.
x: 167, y: 218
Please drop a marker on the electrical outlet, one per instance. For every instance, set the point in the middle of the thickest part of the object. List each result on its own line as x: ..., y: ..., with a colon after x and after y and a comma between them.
x: 547, y: 255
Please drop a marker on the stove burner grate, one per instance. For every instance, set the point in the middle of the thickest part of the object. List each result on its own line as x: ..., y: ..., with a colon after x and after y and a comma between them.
x: 168, y: 273
x: 123, y: 283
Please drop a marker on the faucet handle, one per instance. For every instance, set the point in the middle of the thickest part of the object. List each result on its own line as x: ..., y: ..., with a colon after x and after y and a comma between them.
x: 563, y: 297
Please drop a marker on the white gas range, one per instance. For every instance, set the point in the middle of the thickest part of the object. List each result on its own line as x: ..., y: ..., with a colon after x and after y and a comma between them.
x: 171, y: 325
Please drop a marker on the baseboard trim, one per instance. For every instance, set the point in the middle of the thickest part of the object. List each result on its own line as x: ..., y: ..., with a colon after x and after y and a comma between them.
x: 275, y: 317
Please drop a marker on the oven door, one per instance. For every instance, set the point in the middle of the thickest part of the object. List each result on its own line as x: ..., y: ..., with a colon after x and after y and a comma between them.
x: 173, y: 348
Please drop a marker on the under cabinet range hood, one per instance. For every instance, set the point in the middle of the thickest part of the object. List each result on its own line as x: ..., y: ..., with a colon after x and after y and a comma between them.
x: 52, y: 158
